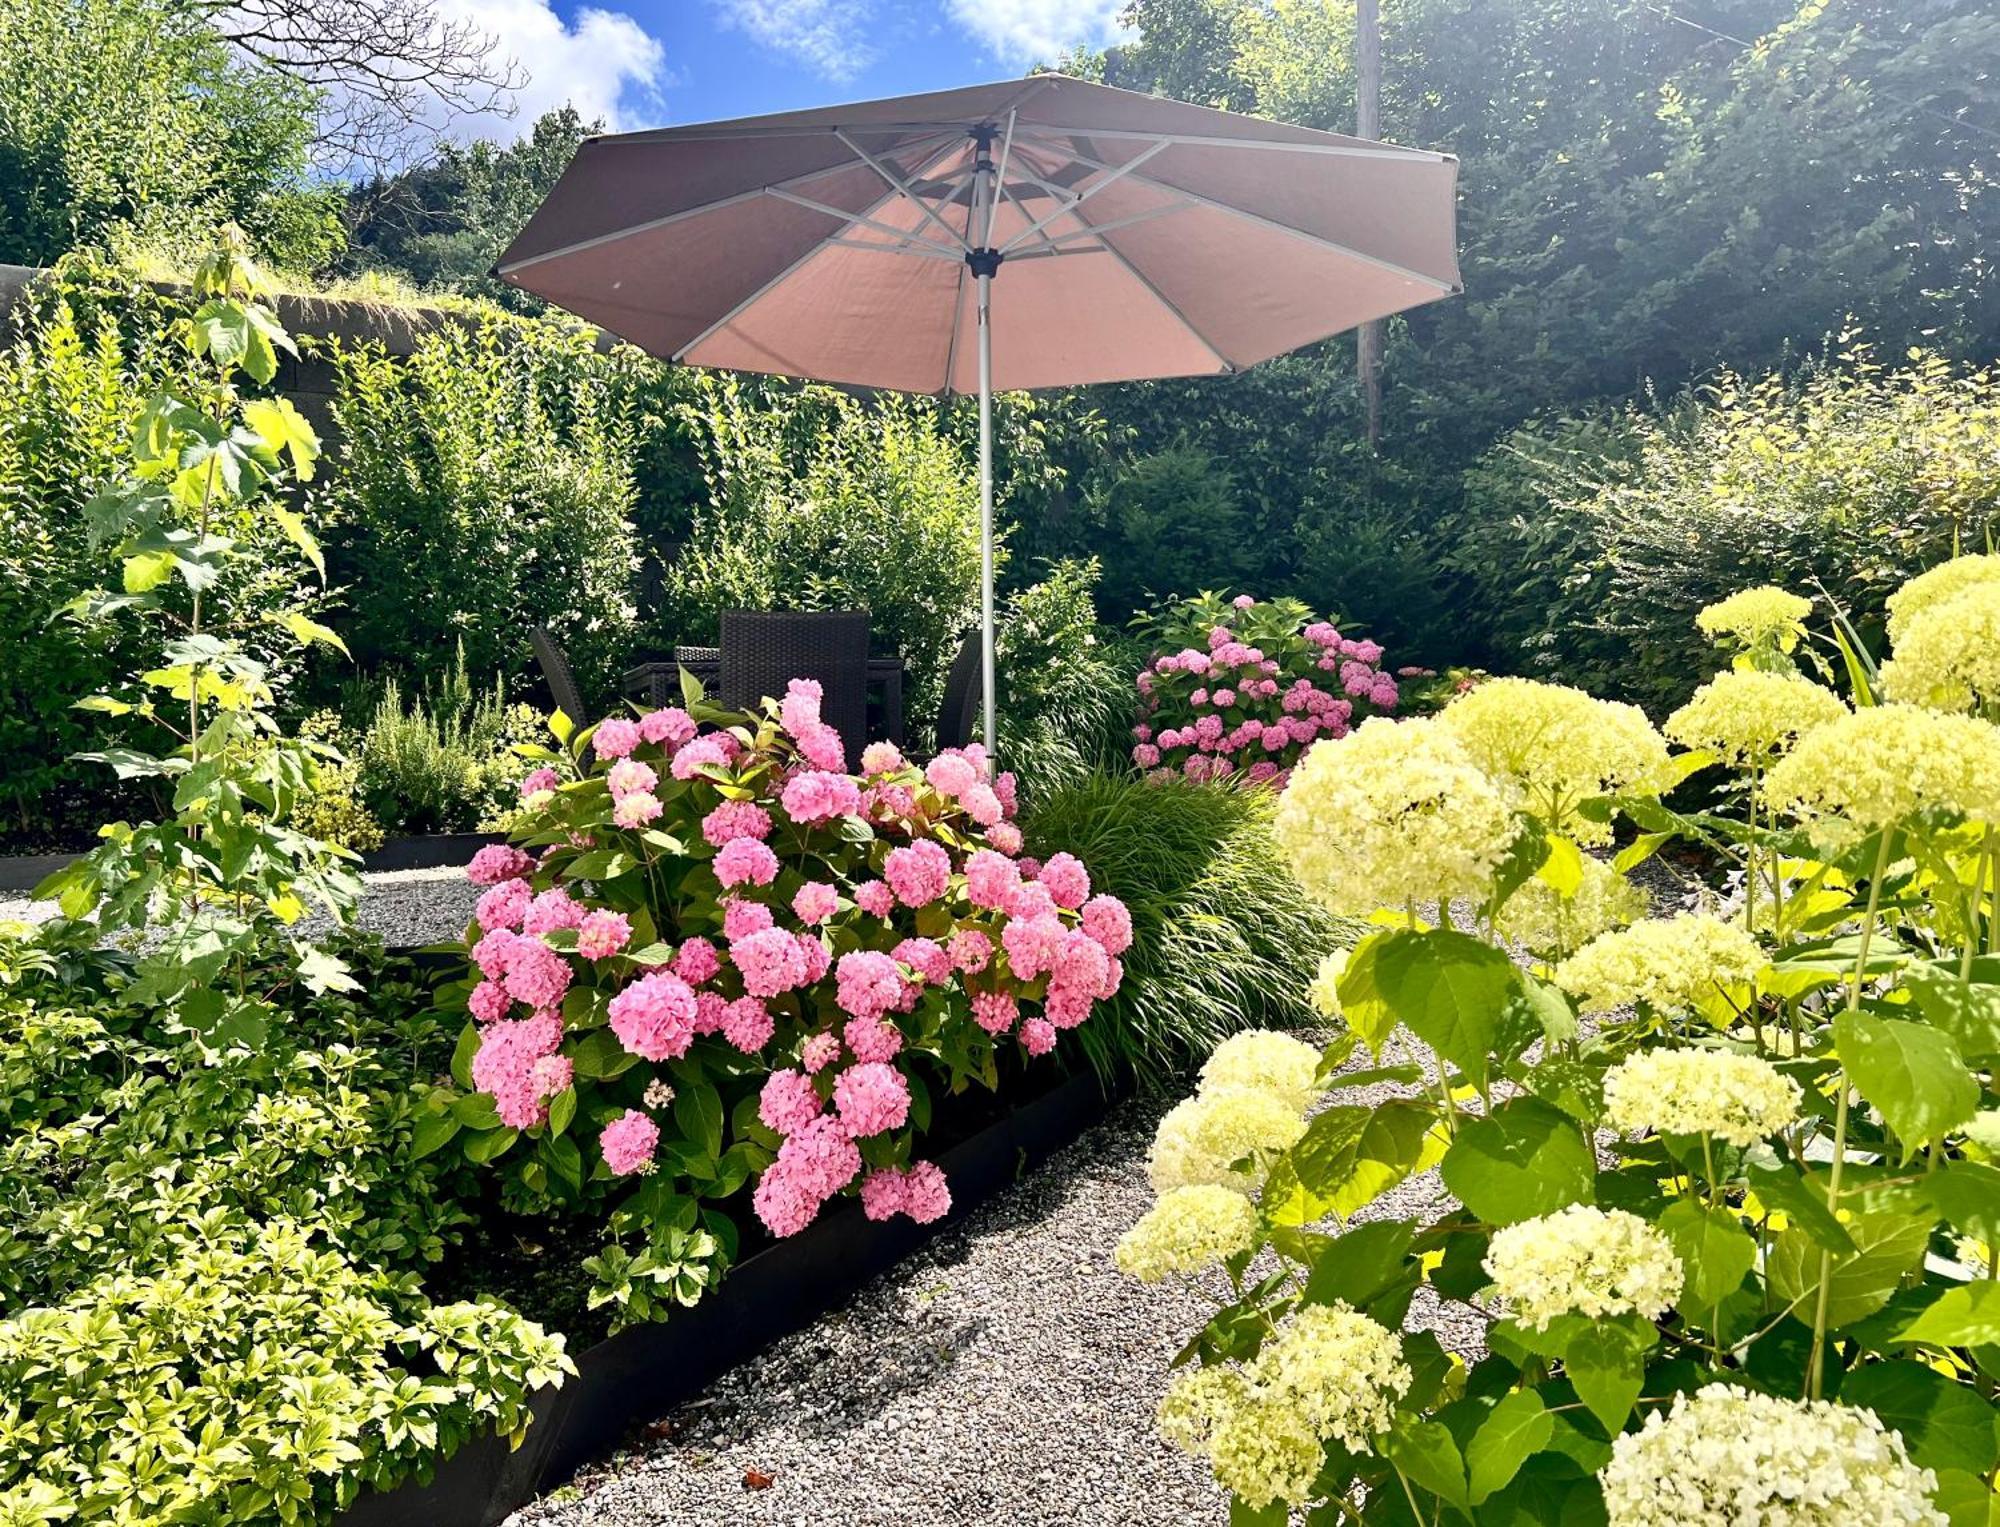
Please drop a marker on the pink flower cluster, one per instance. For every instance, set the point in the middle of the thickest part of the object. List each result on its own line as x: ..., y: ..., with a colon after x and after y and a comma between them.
x: 1259, y: 690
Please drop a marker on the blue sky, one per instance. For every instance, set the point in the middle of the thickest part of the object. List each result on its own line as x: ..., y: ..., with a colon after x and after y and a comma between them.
x: 649, y: 63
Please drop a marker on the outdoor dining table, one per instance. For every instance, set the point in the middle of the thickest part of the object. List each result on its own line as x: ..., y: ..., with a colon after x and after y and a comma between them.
x: 659, y: 683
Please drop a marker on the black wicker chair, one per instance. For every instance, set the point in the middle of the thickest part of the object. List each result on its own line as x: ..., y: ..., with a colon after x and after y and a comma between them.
x: 763, y: 650
x: 554, y: 662
x: 959, y: 715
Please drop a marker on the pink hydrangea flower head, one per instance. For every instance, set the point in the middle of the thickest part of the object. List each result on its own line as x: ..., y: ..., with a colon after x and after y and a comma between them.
x: 1219, y: 636
x: 873, y: 1038
x: 983, y: 805
x: 503, y: 905
x: 540, y: 781
x: 788, y: 1102
x: 1030, y: 899
x: 868, y: 984
x: 497, y: 862
x: 654, y: 1017
x: 633, y: 812
x: 1038, y: 1036
x: 971, y: 951
x: 871, y: 1098
x: 745, y: 861
x: 995, y: 1011
x: 782, y: 1203
x: 819, y: 1052
x: 819, y: 795
x: 554, y: 908
x: 1005, y: 837
x: 741, y: 918
x: 629, y: 1143
x: 736, y: 819
x: 748, y: 1025
x: 919, y: 873
x: 800, y: 711
x: 1031, y: 944
x: 821, y: 747
x: 882, y: 1193
x: 536, y: 975
x: 927, y: 958
x: 603, y: 933
x: 504, y: 1067
x: 990, y: 878
x: 668, y: 727
x: 1106, y: 919
x: 769, y: 962
x: 696, y: 961
x: 1067, y: 880
x: 614, y: 737
x: 815, y: 902
x: 698, y: 753
x: 1224, y: 698
x: 897, y: 802
x: 1188, y: 660
x: 630, y: 777
x: 1321, y: 634
x: 1079, y: 963
x: 710, y: 1008
x: 1383, y: 694
x: 952, y: 773
x: 1244, y: 601
x: 1145, y: 755
x: 552, y: 1074
x: 821, y: 1157
x: 489, y: 1001
x: 494, y: 952
x: 817, y: 962
x: 1275, y: 738
x: 881, y: 758
x: 926, y: 1194
x: 1262, y: 772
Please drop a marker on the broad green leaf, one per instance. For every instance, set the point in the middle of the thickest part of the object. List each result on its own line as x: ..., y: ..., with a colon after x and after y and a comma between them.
x: 1302, y: 1183
x: 462, y: 1053
x: 1967, y: 1195
x: 284, y: 430
x: 1912, y: 1073
x: 308, y: 631
x: 294, y: 526
x: 1360, y: 1264
x: 1275, y: 1514
x: 1945, y: 1425
x: 1966, y: 1499
x: 1715, y: 1251
x: 1520, y: 1425
x: 1887, y: 1246
x: 1562, y: 871
x: 1969, y: 1011
x: 1447, y: 988
x: 1429, y: 1457
x: 562, y: 1109
x: 434, y: 1129
x: 1802, y: 1201
x: 1524, y: 1160
x: 147, y: 570
x: 1607, y: 1368
x: 1966, y: 1316
x: 489, y: 1145
x: 1399, y: 1140
x: 698, y: 1113
x: 1639, y: 850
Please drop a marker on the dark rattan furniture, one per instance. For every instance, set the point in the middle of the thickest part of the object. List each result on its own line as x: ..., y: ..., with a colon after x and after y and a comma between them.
x: 763, y: 650
x: 659, y: 683
x: 958, y: 716
x: 554, y: 662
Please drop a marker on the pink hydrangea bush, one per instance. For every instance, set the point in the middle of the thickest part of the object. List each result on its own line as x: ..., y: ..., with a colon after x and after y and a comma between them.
x: 713, y: 959
x: 1239, y: 689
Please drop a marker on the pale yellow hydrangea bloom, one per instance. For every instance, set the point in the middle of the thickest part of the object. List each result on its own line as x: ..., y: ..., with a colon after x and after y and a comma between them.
x: 1748, y: 716
x: 1264, y: 1061
x: 1732, y: 1455
x: 1763, y: 616
x: 1329, y: 1374
x: 1394, y: 812
x: 1948, y: 656
x: 1884, y: 764
x: 1187, y: 1230
x: 1666, y: 963
x: 1202, y: 1136
x: 1543, y: 920
x: 1324, y: 993
x: 1732, y: 1097
x: 1583, y: 1260
x: 1558, y: 746
x: 1936, y: 585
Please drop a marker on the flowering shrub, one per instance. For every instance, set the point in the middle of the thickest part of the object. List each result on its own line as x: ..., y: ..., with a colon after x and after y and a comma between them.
x: 712, y: 957
x: 1244, y: 687
x: 1719, y: 1186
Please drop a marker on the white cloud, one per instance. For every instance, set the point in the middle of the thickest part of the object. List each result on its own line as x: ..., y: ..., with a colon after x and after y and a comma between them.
x: 830, y: 37
x: 605, y: 64
x: 1038, y: 31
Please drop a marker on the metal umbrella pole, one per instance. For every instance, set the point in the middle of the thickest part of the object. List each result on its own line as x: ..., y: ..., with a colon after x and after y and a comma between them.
x: 984, y: 261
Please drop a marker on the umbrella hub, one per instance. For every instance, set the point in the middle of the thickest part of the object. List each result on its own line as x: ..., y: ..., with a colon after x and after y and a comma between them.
x: 983, y: 259
x: 983, y: 262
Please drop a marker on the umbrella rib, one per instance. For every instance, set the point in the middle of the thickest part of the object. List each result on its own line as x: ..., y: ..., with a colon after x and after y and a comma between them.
x: 680, y: 355
x: 633, y: 230
x: 1161, y: 297
x: 1078, y: 198
x: 915, y: 200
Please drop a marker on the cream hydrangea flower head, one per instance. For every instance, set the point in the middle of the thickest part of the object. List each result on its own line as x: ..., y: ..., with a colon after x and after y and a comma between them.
x: 1738, y: 1098
x: 1541, y: 919
x: 1202, y: 1137
x: 1766, y: 616
x: 1396, y: 811
x: 1883, y: 765
x: 1583, y: 1260
x: 1948, y: 655
x: 1264, y: 1061
x: 1324, y: 993
x: 1187, y: 1230
x: 1935, y: 585
x: 1666, y: 963
x: 1558, y: 746
x: 1329, y: 1374
x: 1748, y: 716
x: 1732, y: 1455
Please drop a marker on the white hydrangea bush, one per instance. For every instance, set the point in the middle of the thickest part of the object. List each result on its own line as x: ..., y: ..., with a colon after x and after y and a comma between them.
x: 1720, y: 1188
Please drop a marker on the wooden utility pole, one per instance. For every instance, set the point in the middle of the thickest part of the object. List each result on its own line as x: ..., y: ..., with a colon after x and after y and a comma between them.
x: 1368, y: 124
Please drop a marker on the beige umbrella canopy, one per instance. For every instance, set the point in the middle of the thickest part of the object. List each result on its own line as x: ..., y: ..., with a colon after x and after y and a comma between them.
x: 1045, y: 232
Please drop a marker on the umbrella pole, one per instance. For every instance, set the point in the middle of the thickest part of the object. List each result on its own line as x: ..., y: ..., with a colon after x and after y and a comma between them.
x: 986, y: 643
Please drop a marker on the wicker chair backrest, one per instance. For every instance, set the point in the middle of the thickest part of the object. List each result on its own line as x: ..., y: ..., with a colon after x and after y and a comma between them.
x: 958, y: 716
x: 556, y: 673
x: 763, y: 650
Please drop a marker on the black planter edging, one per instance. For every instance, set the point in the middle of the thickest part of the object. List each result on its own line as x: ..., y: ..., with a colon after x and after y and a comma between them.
x: 644, y: 1371
x: 21, y: 873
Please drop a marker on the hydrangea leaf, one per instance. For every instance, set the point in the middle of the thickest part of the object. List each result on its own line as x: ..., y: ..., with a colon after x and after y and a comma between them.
x: 1967, y: 1195
x: 1427, y: 1455
x: 1887, y: 1246
x: 1944, y: 1424
x: 1447, y: 988
x: 1523, y: 1160
x: 1518, y: 1427
x: 1714, y: 1248
x: 1912, y: 1073
x: 1607, y: 1368
x: 1966, y: 1316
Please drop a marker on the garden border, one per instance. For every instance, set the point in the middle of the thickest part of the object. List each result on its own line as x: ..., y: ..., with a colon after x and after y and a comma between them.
x: 644, y: 1371
x: 21, y: 873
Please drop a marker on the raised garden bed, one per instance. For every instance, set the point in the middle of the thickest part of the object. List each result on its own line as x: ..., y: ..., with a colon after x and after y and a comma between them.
x: 644, y: 1371
x: 21, y: 873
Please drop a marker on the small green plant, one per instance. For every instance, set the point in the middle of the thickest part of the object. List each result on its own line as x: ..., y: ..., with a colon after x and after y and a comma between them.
x: 1065, y: 681
x: 444, y: 759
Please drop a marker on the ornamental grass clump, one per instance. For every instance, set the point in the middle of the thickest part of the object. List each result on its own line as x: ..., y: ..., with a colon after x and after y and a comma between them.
x: 1702, y: 1175
x: 1240, y: 689
x: 713, y: 959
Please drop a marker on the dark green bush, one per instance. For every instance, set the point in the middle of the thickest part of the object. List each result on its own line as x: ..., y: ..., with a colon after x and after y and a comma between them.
x: 1065, y: 685
x: 1223, y: 939
x: 1175, y: 526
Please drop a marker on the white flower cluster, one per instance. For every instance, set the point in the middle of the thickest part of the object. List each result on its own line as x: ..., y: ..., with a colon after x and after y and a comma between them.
x: 1262, y: 1060
x: 1539, y: 917
x: 1324, y: 993
x: 1667, y: 963
x: 1202, y: 1138
x: 1884, y: 764
x: 1732, y: 1456
x: 1189, y: 1229
x: 1737, y: 1098
x: 1583, y: 1260
x: 1748, y: 716
x: 1329, y: 1374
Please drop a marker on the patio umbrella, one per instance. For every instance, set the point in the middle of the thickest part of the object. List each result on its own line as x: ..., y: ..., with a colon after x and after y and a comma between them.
x: 1045, y: 232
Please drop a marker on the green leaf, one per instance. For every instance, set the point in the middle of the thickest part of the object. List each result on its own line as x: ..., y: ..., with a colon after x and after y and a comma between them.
x: 462, y: 1053
x: 598, y: 1056
x: 283, y: 429
x: 1302, y: 1183
x: 147, y: 570
x: 1966, y: 1316
x: 1427, y: 1454
x: 1607, y: 1368
x: 434, y: 1129
x: 1715, y: 1251
x: 1945, y: 1425
x: 1447, y: 988
x: 562, y: 1109
x: 1520, y: 1425
x: 489, y: 1145
x: 1360, y: 1264
x: 1523, y: 1160
x: 1967, y: 1195
x: 1803, y: 1201
x: 307, y: 631
x: 698, y: 1113
x: 1912, y: 1073
x: 294, y: 526
x: 1275, y: 1514
x: 1969, y: 1011
x: 1562, y: 871
x: 1887, y: 1246
x: 1639, y: 850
